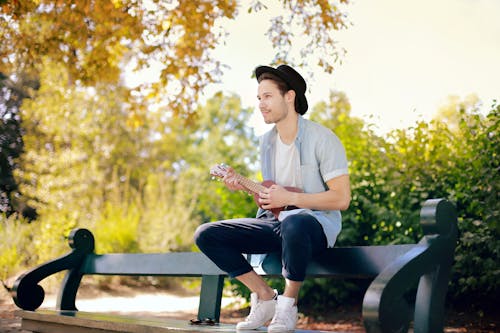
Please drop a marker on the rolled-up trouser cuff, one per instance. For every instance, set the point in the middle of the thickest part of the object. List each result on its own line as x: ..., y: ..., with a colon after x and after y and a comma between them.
x: 240, y: 271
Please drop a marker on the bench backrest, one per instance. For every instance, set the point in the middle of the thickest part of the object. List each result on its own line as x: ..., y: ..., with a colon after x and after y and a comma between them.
x: 358, y: 262
x: 150, y: 264
x: 354, y: 261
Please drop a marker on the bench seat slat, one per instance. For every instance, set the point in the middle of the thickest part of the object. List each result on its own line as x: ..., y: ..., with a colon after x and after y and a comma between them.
x: 47, y: 321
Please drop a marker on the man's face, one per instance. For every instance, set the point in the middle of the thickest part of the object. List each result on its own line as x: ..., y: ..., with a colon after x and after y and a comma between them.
x: 272, y: 104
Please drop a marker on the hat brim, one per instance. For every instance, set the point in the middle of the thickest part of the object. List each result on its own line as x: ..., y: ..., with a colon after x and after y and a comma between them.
x: 301, y: 98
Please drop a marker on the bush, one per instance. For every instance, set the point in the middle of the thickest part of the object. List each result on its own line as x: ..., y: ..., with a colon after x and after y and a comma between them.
x: 15, y: 249
x: 391, y: 178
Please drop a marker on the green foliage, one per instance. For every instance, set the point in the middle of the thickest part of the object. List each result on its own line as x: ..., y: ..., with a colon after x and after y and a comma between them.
x: 116, y: 230
x: 14, y: 245
x: 372, y: 210
x: 476, y: 269
x: 459, y: 162
x: 168, y: 218
x: 392, y: 177
x: 49, y: 238
x: 318, y: 293
x: 221, y: 136
x: 475, y: 187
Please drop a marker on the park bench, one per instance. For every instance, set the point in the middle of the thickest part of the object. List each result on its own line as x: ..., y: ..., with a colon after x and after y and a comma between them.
x: 393, y: 270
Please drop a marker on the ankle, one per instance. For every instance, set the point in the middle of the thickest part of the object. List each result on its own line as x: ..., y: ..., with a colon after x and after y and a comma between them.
x: 286, y: 302
x: 271, y: 294
x: 290, y: 297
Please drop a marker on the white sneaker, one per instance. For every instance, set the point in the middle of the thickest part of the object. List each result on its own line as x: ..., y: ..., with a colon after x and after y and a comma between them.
x: 260, y: 313
x: 285, y: 318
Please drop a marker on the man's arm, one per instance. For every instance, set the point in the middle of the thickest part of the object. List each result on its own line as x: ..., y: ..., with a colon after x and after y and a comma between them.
x: 337, y: 197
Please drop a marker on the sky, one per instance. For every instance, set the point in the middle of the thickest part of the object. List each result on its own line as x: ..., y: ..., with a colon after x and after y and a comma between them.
x: 404, y: 58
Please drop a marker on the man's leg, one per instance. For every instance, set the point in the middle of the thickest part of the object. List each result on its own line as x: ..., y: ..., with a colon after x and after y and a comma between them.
x: 257, y: 285
x: 225, y: 241
x: 292, y: 289
x: 302, y: 237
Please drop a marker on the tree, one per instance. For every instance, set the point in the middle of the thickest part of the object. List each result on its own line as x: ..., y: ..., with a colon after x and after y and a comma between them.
x: 75, y: 142
x: 94, y: 40
x: 11, y: 143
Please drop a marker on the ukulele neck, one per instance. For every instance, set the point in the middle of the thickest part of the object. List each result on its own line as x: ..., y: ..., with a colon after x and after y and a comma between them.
x: 249, y: 184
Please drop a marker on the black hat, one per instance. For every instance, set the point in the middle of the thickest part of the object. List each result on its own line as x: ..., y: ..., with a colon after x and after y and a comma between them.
x: 294, y: 80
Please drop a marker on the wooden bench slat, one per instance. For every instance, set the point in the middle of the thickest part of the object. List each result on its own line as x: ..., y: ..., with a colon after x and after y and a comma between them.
x: 47, y: 321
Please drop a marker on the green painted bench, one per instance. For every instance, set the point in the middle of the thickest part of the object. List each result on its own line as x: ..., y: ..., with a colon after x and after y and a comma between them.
x: 392, y: 269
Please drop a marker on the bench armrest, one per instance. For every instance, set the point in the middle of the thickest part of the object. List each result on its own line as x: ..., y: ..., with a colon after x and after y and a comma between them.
x: 429, y: 263
x: 26, y: 291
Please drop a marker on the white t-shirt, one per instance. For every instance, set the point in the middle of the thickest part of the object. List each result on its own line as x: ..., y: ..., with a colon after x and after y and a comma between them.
x: 287, y: 164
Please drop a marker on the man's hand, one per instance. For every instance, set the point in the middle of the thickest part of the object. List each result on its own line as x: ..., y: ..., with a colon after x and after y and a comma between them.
x: 337, y: 197
x: 231, y: 181
x: 275, y: 196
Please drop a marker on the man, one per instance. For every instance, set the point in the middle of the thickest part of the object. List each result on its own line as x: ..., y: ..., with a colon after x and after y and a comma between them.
x: 294, y: 153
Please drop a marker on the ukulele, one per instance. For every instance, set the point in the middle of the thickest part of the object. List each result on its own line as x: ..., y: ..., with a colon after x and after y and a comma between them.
x: 221, y: 170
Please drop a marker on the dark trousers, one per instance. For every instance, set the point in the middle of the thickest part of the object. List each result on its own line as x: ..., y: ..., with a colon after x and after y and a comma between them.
x: 298, y: 238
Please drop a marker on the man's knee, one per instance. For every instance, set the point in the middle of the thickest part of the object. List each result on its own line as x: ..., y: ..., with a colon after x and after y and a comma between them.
x: 294, y: 227
x: 200, y: 235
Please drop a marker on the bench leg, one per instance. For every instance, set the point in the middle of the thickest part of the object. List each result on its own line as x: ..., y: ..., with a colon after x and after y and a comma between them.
x: 210, y: 297
x: 67, y: 293
x: 431, y: 297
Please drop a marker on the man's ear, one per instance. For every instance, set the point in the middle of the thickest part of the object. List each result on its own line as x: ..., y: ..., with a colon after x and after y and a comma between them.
x: 290, y: 96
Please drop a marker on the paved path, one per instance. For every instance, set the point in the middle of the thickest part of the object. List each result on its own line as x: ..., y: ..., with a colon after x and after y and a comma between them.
x: 153, y: 303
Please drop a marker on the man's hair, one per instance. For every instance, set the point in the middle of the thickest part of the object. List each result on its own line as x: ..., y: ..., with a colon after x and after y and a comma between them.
x: 283, y: 87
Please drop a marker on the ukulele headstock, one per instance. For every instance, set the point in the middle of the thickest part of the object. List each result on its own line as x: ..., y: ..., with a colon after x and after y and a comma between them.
x: 219, y: 170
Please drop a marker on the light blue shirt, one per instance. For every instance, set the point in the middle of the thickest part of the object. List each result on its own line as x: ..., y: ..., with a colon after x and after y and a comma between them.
x: 322, y: 157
